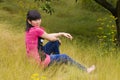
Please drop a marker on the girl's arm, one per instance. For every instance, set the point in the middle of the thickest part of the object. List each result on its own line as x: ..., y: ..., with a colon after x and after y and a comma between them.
x: 55, y: 36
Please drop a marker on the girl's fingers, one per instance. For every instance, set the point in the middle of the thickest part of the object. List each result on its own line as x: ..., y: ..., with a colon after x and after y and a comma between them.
x: 69, y: 36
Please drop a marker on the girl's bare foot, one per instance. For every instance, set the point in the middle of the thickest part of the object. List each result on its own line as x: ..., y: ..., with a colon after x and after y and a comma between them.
x: 90, y: 69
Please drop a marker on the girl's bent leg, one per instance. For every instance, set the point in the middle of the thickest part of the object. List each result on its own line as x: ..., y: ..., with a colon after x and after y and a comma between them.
x: 52, y: 48
x: 63, y: 58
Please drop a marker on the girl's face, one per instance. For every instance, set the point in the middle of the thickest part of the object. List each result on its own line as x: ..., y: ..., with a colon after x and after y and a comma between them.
x: 36, y: 22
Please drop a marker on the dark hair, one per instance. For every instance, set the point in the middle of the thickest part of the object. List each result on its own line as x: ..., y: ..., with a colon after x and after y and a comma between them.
x: 32, y: 15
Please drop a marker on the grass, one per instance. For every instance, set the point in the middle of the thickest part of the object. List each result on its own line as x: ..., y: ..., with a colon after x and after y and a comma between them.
x: 68, y: 17
x: 15, y: 66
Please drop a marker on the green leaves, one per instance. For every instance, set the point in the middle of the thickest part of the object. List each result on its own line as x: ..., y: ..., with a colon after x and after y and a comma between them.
x: 107, y: 32
x: 46, y: 6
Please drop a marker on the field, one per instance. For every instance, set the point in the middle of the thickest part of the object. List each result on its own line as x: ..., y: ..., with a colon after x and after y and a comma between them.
x: 84, y: 48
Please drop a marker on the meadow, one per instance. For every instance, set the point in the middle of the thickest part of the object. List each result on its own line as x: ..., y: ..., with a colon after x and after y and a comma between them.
x: 84, y: 48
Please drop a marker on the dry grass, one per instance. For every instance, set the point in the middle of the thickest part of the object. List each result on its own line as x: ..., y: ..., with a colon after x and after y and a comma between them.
x: 15, y: 66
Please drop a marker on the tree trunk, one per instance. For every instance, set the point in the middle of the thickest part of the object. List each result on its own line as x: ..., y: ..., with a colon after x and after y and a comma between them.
x: 118, y: 22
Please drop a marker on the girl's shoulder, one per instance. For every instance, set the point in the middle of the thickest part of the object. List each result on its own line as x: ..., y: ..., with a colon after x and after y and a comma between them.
x: 42, y: 28
x: 39, y: 28
x: 36, y: 29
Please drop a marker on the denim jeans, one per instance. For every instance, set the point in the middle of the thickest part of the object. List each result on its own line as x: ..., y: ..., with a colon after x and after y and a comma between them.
x: 52, y: 48
x: 57, y: 58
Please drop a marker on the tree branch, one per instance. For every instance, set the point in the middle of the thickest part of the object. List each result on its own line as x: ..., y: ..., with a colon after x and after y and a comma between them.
x: 108, y: 6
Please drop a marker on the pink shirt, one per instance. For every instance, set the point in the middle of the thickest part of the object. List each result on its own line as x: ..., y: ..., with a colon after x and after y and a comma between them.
x: 31, y: 41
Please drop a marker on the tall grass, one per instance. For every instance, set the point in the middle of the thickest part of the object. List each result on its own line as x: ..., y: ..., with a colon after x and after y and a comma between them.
x: 69, y: 17
x: 15, y: 66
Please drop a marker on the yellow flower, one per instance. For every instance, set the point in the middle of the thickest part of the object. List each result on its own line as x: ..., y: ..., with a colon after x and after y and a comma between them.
x: 104, y: 36
x: 113, y: 26
x: 102, y: 23
x: 112, y: 16
x: 43, y: 78
x: 100, y: 28
x: 112, y: 32
x: 35, y: 76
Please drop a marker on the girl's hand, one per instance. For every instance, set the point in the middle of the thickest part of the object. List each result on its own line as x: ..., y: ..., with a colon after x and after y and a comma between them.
x: 67, y: 35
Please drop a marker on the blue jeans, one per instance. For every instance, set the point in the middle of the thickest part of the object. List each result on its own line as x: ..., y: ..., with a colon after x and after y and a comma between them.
x: 52, y: 48
x: 56, y: 57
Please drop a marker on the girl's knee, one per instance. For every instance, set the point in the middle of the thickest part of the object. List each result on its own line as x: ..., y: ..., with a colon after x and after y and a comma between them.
x: 56, y: 42
x: 65, y: 56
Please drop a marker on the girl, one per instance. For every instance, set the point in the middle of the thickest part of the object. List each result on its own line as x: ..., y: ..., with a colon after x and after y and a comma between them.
x: 48, y: 54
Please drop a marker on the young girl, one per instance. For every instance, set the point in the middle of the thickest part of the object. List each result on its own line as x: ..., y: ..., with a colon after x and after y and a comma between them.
x: 49, y: 53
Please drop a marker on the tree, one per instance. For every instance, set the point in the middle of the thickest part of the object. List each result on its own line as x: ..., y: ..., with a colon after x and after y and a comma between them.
x: 115, y: 11
x: 45, y: 6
